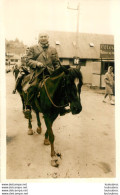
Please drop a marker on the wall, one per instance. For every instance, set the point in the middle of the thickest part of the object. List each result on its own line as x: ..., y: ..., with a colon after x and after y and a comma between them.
x: 96, y: 74
x: 102, y: 81
x: 96, y: 80
x: 87, y: 72
x: 65, y: 61
x: 90, y: 70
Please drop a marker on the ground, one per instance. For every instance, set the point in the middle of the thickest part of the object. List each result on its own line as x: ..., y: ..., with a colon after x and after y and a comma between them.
x: 85, y: 141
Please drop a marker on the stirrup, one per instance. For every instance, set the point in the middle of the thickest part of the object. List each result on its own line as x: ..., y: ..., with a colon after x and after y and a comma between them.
x: 14, y: 91
x: 27, y: 114
x: 64, y: 111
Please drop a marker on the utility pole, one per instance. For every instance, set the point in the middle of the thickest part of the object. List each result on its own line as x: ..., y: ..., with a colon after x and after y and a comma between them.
x: 77, y: 30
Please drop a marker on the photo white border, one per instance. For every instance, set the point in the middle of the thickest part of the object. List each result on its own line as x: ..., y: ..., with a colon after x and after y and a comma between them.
x: 3, y: 115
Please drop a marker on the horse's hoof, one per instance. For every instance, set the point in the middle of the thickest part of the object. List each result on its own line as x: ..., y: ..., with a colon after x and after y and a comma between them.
x: 30, y: 132
x: 46, y: 142
x: 54, y: 163
x: 39, y: 130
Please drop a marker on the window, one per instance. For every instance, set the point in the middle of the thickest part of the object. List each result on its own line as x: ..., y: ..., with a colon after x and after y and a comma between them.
x: 57, y: 42
x: 91, y: 44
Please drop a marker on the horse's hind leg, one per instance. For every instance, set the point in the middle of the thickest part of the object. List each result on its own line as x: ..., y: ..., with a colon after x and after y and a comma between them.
x: 49, y: 133
x: 30, y: 131
x: 23, y: 103
x: 46, y: 141
x: 39, y: 129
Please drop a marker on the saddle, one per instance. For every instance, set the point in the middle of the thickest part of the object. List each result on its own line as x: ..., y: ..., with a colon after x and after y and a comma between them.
x: 31, y: 80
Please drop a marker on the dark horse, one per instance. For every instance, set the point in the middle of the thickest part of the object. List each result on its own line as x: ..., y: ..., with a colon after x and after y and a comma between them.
x: 63, y: 87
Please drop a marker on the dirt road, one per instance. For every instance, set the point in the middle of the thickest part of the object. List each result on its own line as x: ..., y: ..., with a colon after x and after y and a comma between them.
x: 86, y: 141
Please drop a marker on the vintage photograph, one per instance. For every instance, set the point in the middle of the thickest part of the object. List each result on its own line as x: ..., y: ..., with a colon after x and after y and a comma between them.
x: 60, y: 89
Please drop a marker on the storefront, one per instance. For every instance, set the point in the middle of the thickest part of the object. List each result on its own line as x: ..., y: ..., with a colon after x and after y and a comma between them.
x: 101, y: 66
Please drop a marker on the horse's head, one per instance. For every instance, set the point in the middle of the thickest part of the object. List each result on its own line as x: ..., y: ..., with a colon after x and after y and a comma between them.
x: 74, y: 83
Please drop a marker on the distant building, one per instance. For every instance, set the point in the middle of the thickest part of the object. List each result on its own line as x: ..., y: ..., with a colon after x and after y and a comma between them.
x: 95, y: 53
x: 13, y: 59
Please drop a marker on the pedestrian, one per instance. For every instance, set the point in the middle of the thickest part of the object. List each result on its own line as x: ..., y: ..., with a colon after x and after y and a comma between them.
x: 109, y: 82
x: 16, y: 71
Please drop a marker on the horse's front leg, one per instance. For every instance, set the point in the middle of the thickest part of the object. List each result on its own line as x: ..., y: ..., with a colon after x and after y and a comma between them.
x: 30, y: 131
x: 49, y: 133
x: 39, y: 129
x: 46, y: 141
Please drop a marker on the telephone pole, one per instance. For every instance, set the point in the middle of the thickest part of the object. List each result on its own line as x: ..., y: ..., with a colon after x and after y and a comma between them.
x: 77, y: 30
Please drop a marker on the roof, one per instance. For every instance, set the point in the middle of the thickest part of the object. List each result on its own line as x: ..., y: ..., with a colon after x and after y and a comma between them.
x: 65, y: 43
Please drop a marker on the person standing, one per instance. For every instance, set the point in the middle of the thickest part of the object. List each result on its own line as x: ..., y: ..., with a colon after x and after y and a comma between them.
x: 109, y: 82
x: 16, y: 71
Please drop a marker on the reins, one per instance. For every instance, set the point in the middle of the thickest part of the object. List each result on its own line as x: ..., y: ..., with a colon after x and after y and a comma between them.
x: 44, y: 83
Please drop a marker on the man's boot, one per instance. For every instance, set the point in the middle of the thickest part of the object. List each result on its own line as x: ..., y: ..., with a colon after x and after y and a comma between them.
x: 14, y: 91
x: 64, y: 111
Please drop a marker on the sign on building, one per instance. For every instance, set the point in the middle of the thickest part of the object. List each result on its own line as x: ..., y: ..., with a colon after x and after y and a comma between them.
x: 76, y: 60
x: 107, y: 51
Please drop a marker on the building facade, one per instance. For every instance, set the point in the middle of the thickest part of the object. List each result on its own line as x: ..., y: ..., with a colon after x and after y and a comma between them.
x: 12, y: 60
x: 94, y: 52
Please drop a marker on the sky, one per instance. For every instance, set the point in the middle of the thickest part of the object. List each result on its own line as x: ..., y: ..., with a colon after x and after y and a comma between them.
x: 25, y: 19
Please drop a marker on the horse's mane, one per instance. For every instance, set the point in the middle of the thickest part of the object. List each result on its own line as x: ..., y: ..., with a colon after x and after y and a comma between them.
x: 59, y: 71
x: 73, y: 72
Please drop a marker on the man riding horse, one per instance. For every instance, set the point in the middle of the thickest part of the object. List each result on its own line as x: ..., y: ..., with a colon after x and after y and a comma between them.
x: 21, y: 72
x: 42, y: 60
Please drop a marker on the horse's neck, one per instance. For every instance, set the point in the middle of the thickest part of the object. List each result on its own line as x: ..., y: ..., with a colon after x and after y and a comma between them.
x: 54, y: 84
x: 54, y: 87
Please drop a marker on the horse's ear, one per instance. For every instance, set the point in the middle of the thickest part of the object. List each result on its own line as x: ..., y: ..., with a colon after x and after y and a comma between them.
x: 65, y: 69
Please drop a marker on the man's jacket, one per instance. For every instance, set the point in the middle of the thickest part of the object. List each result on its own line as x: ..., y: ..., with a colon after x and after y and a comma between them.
x: 47, y: 56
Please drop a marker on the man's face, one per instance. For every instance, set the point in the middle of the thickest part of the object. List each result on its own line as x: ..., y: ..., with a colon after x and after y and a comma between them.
x: 43, y: 38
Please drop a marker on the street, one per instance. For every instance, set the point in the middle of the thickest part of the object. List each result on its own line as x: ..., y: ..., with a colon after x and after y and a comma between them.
x: 85, y: 141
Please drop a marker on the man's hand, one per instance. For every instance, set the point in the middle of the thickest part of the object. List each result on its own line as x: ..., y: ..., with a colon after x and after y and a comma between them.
x: 40, y: 65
